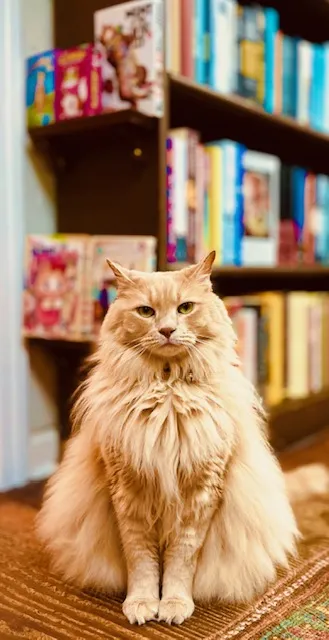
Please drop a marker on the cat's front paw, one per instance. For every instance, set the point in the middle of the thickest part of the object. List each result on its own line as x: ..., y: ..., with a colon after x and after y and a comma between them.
x: 140, y: 610
x: 175, y: 610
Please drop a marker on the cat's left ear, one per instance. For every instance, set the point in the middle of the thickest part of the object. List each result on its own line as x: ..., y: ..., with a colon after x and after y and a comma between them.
x: 122, y: 275
x: 202, y: 270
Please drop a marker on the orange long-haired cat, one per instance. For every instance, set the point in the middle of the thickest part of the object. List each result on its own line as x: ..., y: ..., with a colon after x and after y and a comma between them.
x: 168, y: 490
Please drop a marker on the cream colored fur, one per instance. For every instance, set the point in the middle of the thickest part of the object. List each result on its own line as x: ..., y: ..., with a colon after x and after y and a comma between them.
x: 168, y: 490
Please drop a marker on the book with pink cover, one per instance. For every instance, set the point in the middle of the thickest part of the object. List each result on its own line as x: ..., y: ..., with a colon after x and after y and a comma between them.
x: 132, y: 252
x: 54, y: 283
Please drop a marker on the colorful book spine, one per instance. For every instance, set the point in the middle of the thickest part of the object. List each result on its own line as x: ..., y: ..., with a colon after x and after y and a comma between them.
x: 251, y: 53
x: 215, y: 199
x: 271, y: 58
x: 180, y: 210
x: 201, y: 36
x: 298, y: 182
x: 187, y: 38
x: 326, y: 87
x: 191, y: 193
x: 173, y: 36
x: 200, y: 250
x: 232, y: 209
x: 171, y: 240
x: 317, y: 90
x: 220, y: 38
x: 289, y: 76
x: 304, y: 75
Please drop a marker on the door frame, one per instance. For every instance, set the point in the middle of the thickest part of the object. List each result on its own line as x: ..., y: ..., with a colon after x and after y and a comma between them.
x: 13, y: 355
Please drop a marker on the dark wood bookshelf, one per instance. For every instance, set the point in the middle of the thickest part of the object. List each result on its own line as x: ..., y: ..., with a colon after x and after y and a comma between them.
x: 218, y: 116
x: 110, y: 173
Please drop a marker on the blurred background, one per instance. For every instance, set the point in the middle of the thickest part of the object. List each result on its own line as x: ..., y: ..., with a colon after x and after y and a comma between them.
x: 153, y: 132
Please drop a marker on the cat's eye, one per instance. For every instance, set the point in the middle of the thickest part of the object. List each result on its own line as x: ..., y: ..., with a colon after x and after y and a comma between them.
x: 145, y: 312
x: 185, y: 308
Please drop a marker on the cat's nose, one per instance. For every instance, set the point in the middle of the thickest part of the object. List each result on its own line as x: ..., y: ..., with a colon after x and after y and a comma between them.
x: 166, y: 332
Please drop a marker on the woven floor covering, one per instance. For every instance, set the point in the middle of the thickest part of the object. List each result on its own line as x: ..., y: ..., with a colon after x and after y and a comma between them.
x: 36, y: 604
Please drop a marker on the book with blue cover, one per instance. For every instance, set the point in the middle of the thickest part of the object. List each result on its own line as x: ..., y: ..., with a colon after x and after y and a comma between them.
x: 289, y: 76
x: 271, y: 41
x: 232, y: 208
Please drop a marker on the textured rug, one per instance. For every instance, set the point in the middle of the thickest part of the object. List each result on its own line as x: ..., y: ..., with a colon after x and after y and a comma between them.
x: 36, y: 604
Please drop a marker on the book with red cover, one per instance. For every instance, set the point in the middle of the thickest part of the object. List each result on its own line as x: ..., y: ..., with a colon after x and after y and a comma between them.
x: 187, y: 44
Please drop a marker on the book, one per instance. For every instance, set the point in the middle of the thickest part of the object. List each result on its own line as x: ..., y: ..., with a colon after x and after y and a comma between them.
x: 173, y: 36
x: 223, y: 40
x: 304, y: 77
x: 251, y: 43
x: 261, y: 209
x: 232, y: 201
x: 317, y: 88
x: 54, y: 286
x: 171, y: 238
x: 201, y: 39
x: 272, y: 57
x: 40, y: 88
x: 289, y: 75
x: 288, y: 252
x: 187, y: 38
x: 78, y: 82
x: 297, y: 336
x: 133, y: 252
x: 215, y: 199
x: 130, y: 38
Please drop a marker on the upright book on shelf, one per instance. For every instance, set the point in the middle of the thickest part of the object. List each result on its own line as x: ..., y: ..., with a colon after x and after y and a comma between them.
x: 130, y: 38
x: 261, y: 209
x: 55, y: 286
x: 133, y: 252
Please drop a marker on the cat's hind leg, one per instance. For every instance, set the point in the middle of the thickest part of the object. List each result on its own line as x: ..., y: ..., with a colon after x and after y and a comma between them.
x: 77, y: 521
x: 252, y: 532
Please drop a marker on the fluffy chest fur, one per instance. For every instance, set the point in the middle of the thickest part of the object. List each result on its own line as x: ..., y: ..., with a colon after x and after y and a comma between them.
x: 169, y: 433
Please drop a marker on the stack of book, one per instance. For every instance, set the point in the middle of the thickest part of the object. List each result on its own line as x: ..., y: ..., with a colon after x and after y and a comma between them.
x: 68, y: 285
x: 283, y: 342
x: 246, y: 205
x: 242, y: 50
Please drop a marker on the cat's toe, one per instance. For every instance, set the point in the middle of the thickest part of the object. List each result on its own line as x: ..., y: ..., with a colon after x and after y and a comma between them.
x: 140, y: 610
x: 175, y: 610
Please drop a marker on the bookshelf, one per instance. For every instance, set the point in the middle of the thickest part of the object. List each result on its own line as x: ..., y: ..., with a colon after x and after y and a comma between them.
x: 110, y: 179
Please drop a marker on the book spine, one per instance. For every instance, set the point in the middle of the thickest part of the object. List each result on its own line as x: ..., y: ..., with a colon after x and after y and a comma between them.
x: 207, y: 200
x: 238, y: 227
x: 271, y: 33
x: 171, y: 239
x: 187, y: 44
x: 219, y: 36
x: 180, y: 200
x: 158, y: 58
x: 298, y: 182
x: 326, y: 86
x: 304, y: 80
x: 191, y: 193
x: 251, y: 54
x: 215, y: 209
x: 201, y: 34
x: 309, y: 219
x: 200, y: 202
x: 229, y: 170
x: 290, y: 76
x: 169, y: 21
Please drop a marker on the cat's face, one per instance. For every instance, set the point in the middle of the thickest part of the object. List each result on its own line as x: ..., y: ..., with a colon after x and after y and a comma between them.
x: 165, y: 314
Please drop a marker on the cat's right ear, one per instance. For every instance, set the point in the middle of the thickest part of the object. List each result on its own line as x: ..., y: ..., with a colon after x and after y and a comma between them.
x: 122, y: 275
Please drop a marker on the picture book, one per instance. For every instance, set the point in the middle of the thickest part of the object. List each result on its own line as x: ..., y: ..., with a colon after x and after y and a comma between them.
x: 130, y: 38
x: 40, y: 88
x: 261, y: 209
x: 54, y: 286
x: 132, y: 252
x: 78, y: 83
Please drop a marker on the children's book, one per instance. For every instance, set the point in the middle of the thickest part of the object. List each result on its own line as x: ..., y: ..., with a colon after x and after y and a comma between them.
x: 133, y: 252
x: 40, y: 88
x: 130, y: 38
x: 261, y: 209
x: 54, y: 286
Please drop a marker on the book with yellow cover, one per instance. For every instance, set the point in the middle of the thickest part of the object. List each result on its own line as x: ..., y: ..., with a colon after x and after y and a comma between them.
x: 215, y: 199
x: 273, y: 305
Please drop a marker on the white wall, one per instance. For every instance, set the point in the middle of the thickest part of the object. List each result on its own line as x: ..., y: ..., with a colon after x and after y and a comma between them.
x: 40, y: 217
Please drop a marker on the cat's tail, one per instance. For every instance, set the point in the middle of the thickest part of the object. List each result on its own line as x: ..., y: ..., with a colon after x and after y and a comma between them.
x: 306, y: 481
x: 77, y: 522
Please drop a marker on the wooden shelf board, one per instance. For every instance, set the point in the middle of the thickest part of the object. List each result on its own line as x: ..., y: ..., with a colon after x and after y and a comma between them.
x: 96, y: 125
x: 294, y: 420
x: 218, y: 116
